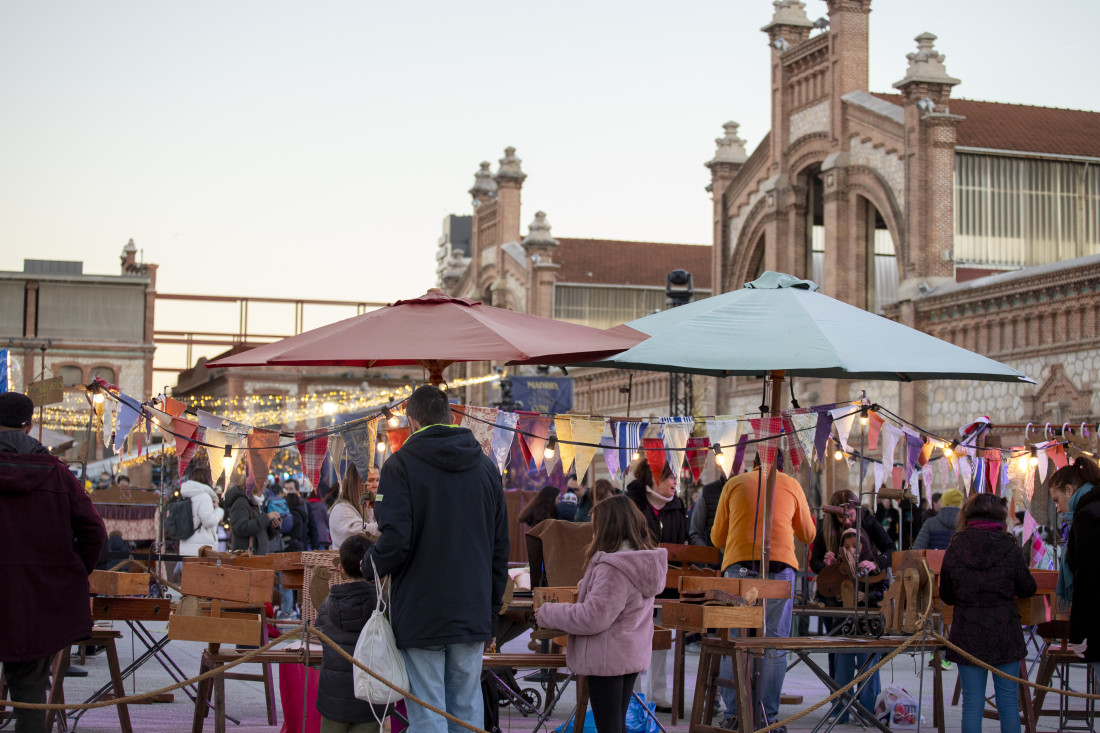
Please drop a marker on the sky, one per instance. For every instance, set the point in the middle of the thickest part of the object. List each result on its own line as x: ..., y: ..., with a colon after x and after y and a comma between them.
x: 312, y: 149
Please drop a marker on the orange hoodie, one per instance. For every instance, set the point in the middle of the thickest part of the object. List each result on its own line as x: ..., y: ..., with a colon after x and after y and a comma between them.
x: 736, y: 519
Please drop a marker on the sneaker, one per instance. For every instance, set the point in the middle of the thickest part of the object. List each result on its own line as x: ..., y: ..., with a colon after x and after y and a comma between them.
x: 729, y: 722
x: 76, y: 672
x: 946, y: 665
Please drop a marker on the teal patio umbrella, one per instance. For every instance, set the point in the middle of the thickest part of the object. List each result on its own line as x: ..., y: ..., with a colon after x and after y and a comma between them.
x: 779, y: 326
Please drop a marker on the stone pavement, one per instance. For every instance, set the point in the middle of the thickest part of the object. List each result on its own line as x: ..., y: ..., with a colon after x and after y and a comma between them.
x: 246, y: 699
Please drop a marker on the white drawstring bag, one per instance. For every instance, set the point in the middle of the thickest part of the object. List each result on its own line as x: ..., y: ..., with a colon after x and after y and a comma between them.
x: 377, y: 649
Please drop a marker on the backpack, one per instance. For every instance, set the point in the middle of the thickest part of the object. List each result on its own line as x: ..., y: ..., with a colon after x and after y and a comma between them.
x: 178, y: 519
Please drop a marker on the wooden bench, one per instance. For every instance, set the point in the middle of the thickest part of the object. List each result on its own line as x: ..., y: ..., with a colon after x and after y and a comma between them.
x: 100, y: 637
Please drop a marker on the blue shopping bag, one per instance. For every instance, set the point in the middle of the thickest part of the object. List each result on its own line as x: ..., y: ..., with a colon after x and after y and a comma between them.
x: 589, y: 724
x: 637, y: 719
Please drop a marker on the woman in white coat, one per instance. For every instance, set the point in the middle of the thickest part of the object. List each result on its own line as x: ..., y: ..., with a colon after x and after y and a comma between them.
x: 351, y: 514
x: 206, y: 515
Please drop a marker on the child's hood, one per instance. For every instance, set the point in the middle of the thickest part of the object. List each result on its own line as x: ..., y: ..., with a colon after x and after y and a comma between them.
x: 645, y: 569
x: 351, y: 604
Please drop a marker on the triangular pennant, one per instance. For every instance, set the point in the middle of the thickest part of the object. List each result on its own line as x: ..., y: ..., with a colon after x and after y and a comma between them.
x: 261, y: 449
x: 768, y: 431
x: 890, y: 437
x: 628, y: 436
x: 522, y: 442
x: 128, y: 414
x: 914, y: 444
x: 979, y: 476
x: 1058, y: 455
x: 564, y: 431
x: 925, y: 452
x: 697, y: 450
x: 173, y: 407
x: 821, y: 435
x: 217, y: 440
x: 585, y: 430
x: 794, y: 445
x: 481, y: 421
x: 1044, y: 464
x: 724, y: 433
x: 874, y: 424
x: 162, y: 421
x: 503, y: 435
x: 943, y: 465
x: 610, y: 455
x: 184, y: 431
x: 739, y: 455
x: 312, y: 445
x: 336, y: 450
x: 550, y: 459
x: 927, y: 477
x: 677, y: 430
x: 396, y: 438
x: 655, y: 454
x: 880, y: 476
x: 535, y: 431
x: 802, y: 430
x: 843, y: 419
x: 897, y: 476
x: 360, y: 443
x: 210, y: 422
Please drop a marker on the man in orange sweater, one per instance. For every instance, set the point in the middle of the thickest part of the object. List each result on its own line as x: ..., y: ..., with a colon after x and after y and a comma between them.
x: 738, y: 529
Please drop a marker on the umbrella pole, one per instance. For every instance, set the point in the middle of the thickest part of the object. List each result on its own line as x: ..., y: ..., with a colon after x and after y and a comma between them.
x: 776, y: 380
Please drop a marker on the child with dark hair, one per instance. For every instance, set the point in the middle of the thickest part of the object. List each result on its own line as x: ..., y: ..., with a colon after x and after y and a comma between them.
x: 341, y: 618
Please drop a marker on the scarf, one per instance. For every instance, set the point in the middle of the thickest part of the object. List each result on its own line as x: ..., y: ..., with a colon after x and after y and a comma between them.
x: 985, y: 524
x: 1065, y: 575
x: 656, y: 500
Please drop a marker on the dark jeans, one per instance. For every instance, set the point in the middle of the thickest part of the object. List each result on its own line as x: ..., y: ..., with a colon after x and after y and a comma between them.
x: 610, y: 697
x: 27, y: 682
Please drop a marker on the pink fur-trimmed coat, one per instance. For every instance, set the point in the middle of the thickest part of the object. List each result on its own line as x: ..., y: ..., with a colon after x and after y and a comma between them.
x: 610, y: 626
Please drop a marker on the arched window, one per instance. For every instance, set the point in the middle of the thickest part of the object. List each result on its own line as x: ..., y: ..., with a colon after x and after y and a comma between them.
x: 71, y: 375
x: 106, y: 373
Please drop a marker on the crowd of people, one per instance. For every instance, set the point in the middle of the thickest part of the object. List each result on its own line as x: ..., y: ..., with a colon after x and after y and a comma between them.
x: 441, y: 538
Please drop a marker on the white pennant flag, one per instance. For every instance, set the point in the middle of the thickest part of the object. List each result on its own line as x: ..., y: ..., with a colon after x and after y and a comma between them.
x: 677, y: 430
x: 880, y: 476
x: 724, y: 432
x: 843, y: 419
x: 889, y: 435
x: 927, y: 474
x: 1044, y: 464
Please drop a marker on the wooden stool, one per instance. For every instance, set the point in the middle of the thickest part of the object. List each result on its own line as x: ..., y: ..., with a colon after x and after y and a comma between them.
x: 100, y: 637
x: 213, y: 657
x: 1055, y: 656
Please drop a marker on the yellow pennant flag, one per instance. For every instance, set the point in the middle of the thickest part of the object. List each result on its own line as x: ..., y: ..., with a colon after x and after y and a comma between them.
x: 585, y: 430
x: 565, y: 433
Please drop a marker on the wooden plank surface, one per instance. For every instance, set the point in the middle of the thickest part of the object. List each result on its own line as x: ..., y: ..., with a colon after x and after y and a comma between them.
x: 694, y: 617
x: 228, y: 584
x: 738, y: 586
x: 286, y: 560
x: 698, y: 554
x: 106, y: 583
x: 131, y: 609
x: 229, y: 628
x: 554, y: 595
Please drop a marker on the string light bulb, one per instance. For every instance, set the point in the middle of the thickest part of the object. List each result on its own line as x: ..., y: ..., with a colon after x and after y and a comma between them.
x: 864, y: 417
x: 548, y: 451
x: 838, y: 454
x: 1033, y: 461
x: 949, y: 449
x: 330, y: 408
x: 381, y: 446
x: 228, y: 450
x: 98, y: 399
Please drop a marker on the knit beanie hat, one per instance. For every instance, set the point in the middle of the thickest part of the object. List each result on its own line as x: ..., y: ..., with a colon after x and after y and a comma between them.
x: 952, y: 497
x: 16, y: 410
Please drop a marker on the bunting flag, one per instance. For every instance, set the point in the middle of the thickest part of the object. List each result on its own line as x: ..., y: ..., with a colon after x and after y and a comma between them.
x: 1044, y: 464
x: 767, y: 431
x: 535, y: 432
x: 610, y: 455
x: 564, y: 430
x: 175, y: 408
x: 697, y: 450
x: 794, y: 446
x: 503, y: 434
x: 360, y: 445
x: 628, y: 435
x: 1038, y: 550
x: 128, y: 416
x: 1058, y: 454
x: 585, y: 430
x: 874, y: 424
x: 802, y: 430
x: 1030, y: 526
x: 184, y: 431
x: 312, y: 451
x: 724, y: 432
x: 655, y: 453
x: 162, y: 420
x: 926, y: 452
x: 550, y: 459
x: 943, y: 465
x: 219, y: 462
x: 481, y: 421
x: 821, y: 435
x: 927, y: 477
x: 739, y: 455
x: 210, y: 422
x: 890, y: 438
x: 109, y: 417
x: 396, y: 437
x: 1029, y: 484
x: 980, y: 486
x: 523, y: 449
x: 843, y: 419
x: 914, y: 444
x: 897, y: 476
x: 965, y: 473
x: 261, y: 449
x: 677, y: 430
x: 336, y: 450
x: 880, y: 476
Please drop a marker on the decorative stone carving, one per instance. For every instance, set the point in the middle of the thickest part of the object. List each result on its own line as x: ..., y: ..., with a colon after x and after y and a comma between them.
x: 926, y: 64
x: 510, y: 168
x: 484, y: 185
x: 789, y: 12
x: 730, y: 147
x: 538, y: 238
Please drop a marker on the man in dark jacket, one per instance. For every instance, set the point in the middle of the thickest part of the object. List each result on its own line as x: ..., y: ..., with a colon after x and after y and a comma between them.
x: 936, y: 533
x: 50, y: 539
x: 444, y: 544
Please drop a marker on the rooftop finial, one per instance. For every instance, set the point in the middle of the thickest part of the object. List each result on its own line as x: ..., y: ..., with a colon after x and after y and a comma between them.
x: 484, y: 185
x: 538, y: 233
x: 130, y: 246
x: 731, y: 148
x: 790, y: 12
x: 510, y: 167
x: 926, y: 64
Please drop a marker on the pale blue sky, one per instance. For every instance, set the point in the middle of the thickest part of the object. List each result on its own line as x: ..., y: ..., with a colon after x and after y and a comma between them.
x: 311, y: 149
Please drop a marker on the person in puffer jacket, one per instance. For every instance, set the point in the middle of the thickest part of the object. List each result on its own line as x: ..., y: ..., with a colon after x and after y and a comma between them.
x: 610, y: 627
x: 937, y: 531
x: 342, y: 617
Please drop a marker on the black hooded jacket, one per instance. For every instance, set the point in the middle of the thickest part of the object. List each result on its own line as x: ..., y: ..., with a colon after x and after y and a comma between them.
x: 983, y: 574
x: 1083, y: 557
x: 342, y: 617
x: 444, y: 539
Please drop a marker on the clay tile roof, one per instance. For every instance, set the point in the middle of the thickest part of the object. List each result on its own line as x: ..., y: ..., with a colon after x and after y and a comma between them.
x: 610, y: 262
x: 1003, y: 126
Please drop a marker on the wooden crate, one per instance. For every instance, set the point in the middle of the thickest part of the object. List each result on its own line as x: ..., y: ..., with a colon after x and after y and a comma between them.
x: 553, y: 595
x: 131, y: 609
x: 738, y: 586
x: 263, y: 562
x: 294, y: 579
x: 662, y: 638
x: 694, y: 617
x: 106, y: 583
x: 228, y: 628
x: 228, y: 583
x: 286, y: 560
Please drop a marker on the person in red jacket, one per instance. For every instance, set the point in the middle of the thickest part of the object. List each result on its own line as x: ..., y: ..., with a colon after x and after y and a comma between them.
x: 50, y: 540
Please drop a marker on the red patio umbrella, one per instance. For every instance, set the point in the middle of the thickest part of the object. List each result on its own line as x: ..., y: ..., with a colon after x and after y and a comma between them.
x: 436, y: 330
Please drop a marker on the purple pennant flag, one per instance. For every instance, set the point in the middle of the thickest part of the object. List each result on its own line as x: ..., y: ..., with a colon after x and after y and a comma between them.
x: 913, y: 446
x: 610, y: 455
x: 821, y: 435
x: 739, y: 455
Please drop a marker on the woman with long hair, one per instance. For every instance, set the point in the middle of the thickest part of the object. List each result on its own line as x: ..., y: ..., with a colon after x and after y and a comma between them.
x: 1076, y: 492
x: 544, y: 506
x: 248, y: 521
x: 349, y: 513
x: 983, y: 574
x: 610, y: 626
x: 206, y: 515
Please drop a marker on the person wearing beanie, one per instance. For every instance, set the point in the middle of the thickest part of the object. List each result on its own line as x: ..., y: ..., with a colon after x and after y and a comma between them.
x: 936, y: 533
x: 50, y: 538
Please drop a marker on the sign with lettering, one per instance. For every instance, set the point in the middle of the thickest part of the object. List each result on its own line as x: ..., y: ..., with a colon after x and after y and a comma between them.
x: 46, y: 392
x: 548, y: 395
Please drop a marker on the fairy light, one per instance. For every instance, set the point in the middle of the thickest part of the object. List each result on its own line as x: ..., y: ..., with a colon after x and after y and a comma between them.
x: 548, y: 451
x: 98, y: 399
x: 949, y: 450
x: 864, y: 418
x: 1033, y: 460
x: 838, y: 454
x: 381, y: 446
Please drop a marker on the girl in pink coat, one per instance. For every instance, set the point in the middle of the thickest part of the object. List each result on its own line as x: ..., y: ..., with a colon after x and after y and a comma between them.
x: 610, y: 627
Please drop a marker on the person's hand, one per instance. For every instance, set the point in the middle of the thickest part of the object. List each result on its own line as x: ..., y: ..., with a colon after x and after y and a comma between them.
x: 273, y: 515
x: 1079, y: 649
x: 830, y: 558
x: 868, y: 566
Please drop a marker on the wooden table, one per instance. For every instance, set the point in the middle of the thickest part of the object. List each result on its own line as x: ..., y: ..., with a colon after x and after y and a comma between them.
x: 742, y: 649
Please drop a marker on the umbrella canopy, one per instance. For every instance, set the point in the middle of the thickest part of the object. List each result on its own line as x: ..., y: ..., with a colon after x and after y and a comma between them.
x: 434, y: 331
x: 781, y: 323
